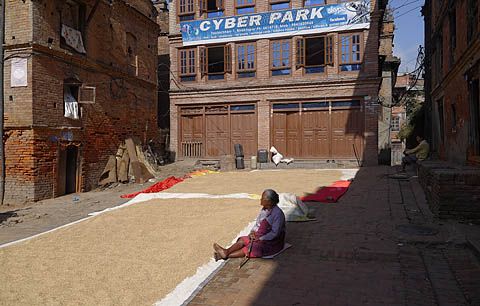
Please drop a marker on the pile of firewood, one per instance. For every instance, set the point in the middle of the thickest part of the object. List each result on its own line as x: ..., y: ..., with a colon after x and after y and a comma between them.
x: 128, y: 165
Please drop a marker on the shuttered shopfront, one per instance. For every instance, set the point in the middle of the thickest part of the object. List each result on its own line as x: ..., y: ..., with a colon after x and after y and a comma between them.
x: 212, y: 130
x: 325, y: 130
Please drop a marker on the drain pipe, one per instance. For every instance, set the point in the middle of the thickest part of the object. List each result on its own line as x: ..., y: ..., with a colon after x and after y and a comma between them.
x: 2, y: 142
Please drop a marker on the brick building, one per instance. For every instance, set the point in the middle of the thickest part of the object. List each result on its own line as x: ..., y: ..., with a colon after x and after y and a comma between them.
x: 389, y: 67
x: 80, y: 77
x: 409, y: 93
x: 163, y: 65
x: 310, y: 92
x: 452, y: 116
x: 452, y: 46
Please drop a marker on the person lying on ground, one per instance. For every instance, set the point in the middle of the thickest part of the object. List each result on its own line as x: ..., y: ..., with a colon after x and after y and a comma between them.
x: 418, y: 153
x: 267, y: 236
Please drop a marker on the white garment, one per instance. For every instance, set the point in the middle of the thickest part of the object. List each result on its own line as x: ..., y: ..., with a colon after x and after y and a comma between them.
x: 71, y: 104
x: 71, y: 110
x: 278, y: 158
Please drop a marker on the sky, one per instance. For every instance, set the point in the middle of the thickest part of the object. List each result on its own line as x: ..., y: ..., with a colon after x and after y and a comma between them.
x: 409, y: 31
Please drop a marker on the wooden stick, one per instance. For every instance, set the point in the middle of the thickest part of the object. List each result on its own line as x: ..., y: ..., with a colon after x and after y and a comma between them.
x: 248, y: 256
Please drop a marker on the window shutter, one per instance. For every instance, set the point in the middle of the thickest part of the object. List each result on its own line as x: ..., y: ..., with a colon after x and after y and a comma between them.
x: 203, y: 61
x: 329, y: 50
x: 300, y: 52
x: 219, y: 4
x: 86, y: 94
x: 203, y: 6
x: 227, y: 58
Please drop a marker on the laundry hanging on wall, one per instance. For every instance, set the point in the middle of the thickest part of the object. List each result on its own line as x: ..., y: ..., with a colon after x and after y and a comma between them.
x: 71, y: 104
x: 73, y: 38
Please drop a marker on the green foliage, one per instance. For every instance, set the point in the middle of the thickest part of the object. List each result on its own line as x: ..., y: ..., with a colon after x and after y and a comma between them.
x: 414, y: 125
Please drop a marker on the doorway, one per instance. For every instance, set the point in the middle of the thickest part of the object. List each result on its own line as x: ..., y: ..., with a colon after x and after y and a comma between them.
x: 67, y: 170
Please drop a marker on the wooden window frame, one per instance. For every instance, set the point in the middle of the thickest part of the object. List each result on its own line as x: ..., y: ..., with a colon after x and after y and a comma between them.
x: 350, y: 53
x: 237, y: 6
x: 396, y: 124
x: 246, y: 44
x: 270, y: 2
x: 327, y: 52
x: 187, y: 74
x: 186, y: 13
x: 281, y: 55
x: 304, y: 5
x: 227, y: 60
x: 203, y: 4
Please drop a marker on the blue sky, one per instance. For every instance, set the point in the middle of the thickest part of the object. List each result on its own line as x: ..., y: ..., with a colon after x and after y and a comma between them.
x: 409, y: 31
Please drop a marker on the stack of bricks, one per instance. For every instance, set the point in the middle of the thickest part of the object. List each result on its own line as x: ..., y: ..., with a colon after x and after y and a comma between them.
x: 452, y: 191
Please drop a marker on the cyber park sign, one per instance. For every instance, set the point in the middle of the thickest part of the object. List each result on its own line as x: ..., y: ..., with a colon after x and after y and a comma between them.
x: 308, y: 20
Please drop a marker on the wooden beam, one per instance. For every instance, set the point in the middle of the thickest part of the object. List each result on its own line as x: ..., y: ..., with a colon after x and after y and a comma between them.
x: 92, y: 11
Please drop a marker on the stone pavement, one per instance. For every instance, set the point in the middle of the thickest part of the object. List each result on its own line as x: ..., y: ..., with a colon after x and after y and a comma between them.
x: 379, y: 245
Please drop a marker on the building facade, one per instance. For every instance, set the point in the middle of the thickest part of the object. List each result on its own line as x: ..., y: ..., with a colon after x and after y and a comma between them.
x: 310, y: 92
x: 80, y: 77
x: 410, y: 96
x: 452, y: 65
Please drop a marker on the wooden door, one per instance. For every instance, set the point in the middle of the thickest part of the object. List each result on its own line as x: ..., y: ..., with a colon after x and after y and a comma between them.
x: 217, y: 135
x: 192, y: 128
x: 61, y: 171
x: 316, y: 134
x: 286, y: 133
x: 293, y: 135
x: 280, y: 131
x: 71, y: 169
x: 347, y: 133
x: 244, y: 132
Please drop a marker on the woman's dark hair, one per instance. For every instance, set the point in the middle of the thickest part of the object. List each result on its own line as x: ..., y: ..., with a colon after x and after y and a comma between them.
x: 271, y: 195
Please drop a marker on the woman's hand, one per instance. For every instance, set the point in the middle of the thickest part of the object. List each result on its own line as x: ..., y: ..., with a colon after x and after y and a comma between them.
x: 252, y: 236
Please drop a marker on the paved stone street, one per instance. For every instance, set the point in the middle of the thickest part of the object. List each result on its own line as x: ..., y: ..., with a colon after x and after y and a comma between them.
x: 378, y: 246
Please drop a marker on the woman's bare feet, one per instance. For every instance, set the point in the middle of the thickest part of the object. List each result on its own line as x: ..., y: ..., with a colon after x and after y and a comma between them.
x: 216, y: 256
x: 220, y: 251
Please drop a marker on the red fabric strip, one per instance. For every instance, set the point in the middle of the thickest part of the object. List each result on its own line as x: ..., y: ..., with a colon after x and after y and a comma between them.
x: 329, y: 194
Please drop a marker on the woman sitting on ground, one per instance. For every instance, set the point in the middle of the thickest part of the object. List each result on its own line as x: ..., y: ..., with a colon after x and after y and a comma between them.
x: 267, y: 236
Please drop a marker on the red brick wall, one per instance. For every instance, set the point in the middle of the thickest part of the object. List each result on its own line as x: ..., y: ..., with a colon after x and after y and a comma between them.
x: 125, y: 106
x: 20, y: 166
x: 264, y: 89
x: 452, y: 87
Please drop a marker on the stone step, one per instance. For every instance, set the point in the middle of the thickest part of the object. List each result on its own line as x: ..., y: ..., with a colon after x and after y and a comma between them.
x: 311, y: 164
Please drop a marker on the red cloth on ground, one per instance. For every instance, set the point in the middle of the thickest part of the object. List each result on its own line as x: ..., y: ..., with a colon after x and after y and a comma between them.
x: 165, y: 184
x: 333, y: 192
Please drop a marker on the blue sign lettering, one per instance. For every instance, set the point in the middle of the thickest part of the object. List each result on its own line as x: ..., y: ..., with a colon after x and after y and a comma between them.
x: 308, y: 20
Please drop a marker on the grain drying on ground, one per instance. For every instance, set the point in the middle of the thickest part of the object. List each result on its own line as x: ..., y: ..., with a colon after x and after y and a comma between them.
x: 137, y: 254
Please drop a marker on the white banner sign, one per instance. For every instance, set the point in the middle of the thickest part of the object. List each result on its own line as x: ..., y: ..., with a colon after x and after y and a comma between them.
x: 18, y: 74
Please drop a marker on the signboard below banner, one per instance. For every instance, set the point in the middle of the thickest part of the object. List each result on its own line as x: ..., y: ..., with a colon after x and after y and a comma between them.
x: 316, y: 19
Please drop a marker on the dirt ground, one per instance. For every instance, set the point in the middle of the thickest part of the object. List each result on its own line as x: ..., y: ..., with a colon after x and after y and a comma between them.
x: 17, y: 222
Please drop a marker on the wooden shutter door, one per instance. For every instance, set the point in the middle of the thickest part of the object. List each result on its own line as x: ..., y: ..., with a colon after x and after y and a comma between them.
x: 227, y: 59
x: 300, y: 52
x: 203, y: 61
